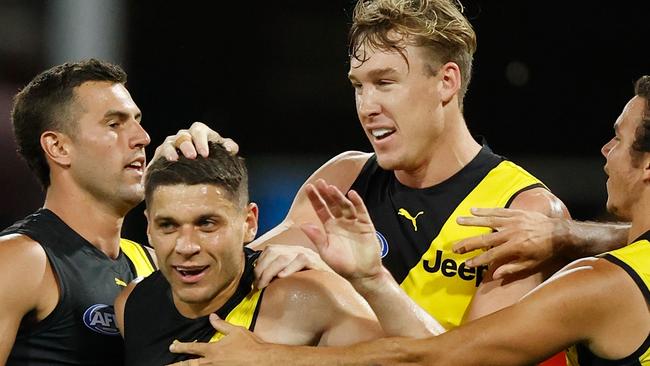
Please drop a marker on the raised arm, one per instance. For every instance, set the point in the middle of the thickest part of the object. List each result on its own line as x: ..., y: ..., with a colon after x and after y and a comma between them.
x: 349, y: 245
x: 27, y: 285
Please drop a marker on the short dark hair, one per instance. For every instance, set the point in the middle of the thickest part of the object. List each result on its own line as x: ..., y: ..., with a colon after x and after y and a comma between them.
x: 44, y: 105
x: 642, y: 136
x: 220, y: 168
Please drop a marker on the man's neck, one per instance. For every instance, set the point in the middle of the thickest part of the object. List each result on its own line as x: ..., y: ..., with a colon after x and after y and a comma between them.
x: 640, y: 220
x: 451, y: 152
x: 98, y: 223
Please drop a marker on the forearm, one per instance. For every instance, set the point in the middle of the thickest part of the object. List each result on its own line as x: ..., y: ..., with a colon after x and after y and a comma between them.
x: 385, y: 351
x: 583, y: 239
x: 398, y: 314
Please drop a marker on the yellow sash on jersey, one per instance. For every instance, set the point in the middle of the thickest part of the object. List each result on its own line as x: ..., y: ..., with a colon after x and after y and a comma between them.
x: 136, y: 253
x: 242, y: 315
x: 637, y: 257
x: 445, y: 290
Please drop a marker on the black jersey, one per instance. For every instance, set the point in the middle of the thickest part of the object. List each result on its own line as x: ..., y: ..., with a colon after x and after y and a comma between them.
x: 148, y: 334
x: 417, y: 227
x: 81, y: 329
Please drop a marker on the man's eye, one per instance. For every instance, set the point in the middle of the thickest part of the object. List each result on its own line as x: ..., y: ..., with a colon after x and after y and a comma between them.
x: 208, y: 225
x: 166, y: 227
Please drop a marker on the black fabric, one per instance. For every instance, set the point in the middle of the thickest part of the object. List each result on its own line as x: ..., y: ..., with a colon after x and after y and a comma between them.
x: 384, y: 195
x: 81, y: 330
x: 148, y: 334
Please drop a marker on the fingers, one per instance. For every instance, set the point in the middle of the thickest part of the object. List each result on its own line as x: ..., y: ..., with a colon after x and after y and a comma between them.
x: 190, y: 348
x: 345, y: 206
x: 496, y: 212
x: 192, y: 142
x: 492, y: 222
x: 317, y: 203
x: 362, y: 211
x: 499, y: 254
x: 485, y: 241
x: 315, y: 234
x: 512, y: 268
x: 184, y: 143
x: 221, y: 326
x: 322, y: 188
x: 201, y: 134
x: 270, y: 264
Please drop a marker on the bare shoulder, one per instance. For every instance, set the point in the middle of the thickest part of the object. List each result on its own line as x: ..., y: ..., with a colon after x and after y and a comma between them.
x: 27, y: 281
x: 342, y: 169
x: 593, y: 279
x: 321, y: 291
x: 21, y: 251
x: 541, y: 200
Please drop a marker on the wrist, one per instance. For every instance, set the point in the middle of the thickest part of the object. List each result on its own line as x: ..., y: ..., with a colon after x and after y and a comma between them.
x: 569, y: 238
x: 368, y: 285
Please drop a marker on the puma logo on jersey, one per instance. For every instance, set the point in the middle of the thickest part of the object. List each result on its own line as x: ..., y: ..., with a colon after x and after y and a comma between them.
x: 403, y: 212
x: 449, y: 268
x: 120, y: 282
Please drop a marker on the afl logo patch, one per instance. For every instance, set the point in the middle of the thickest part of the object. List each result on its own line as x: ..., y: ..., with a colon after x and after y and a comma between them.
x: 100, y: 318
x: 383, y: 243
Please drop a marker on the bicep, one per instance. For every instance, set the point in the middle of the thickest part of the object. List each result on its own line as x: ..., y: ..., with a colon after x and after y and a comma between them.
x: 540, y: 200
x: 493, y: 295
x: 351, y: 319
x: 26, y: 276
x: 120, y: 306
x: 550, y: 318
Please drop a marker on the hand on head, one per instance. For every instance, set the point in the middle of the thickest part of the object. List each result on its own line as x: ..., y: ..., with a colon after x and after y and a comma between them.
x: 193, y: 141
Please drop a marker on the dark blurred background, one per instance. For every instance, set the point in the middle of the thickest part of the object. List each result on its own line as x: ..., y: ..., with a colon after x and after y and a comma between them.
x: 549, y: 80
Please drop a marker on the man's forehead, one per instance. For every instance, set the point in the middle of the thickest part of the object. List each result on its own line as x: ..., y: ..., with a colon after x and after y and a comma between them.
x: 375, y: 60
x: 633, y: 112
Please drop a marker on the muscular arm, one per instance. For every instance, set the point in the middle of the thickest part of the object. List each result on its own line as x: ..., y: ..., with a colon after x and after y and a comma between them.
x: 557, y: 314
x: 496, y: 293
x: 315, y: 308
x: 27, y: 284
x: 581, y: 239
x: 120, y: 305
x: 524, y: 240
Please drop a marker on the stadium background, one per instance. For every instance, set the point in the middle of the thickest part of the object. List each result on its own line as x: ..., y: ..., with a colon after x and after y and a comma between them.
x: 549, y: 81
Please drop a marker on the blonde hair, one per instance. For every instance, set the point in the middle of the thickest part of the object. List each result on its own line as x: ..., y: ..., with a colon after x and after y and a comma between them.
x: 437, y: 25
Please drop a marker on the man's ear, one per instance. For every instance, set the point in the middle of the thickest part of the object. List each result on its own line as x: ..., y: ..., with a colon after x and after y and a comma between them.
x: 149, y: 224
x: 451, y: 81
x: 57, y: 147
x: 646, y: 167
x: 250, y: 225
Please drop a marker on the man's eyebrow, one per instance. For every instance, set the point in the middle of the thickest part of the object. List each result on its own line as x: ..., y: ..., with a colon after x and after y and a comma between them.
x: 121, y: 114
x: 376, y: 73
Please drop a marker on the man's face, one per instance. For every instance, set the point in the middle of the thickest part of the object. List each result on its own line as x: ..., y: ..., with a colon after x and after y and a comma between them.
x: 625, y: 175
x: 198, y: 233
x: 399, y: 105
x: 107, y: 143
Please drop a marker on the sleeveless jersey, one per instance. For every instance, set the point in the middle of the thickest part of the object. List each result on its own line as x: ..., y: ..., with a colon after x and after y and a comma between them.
x: 417, y: 228
x: 81, y: 329
x: 634, y: 259
x: 148, y: 334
